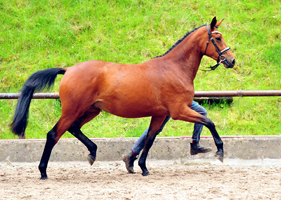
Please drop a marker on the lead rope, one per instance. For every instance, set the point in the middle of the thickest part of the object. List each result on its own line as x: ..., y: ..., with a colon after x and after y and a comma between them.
x: 213, y: 67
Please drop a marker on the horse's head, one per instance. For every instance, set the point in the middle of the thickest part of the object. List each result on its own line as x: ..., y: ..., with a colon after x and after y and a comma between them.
x: 217, y: 49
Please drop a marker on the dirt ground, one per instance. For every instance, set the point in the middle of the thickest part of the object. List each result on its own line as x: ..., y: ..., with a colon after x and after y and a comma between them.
x: 168, y: 180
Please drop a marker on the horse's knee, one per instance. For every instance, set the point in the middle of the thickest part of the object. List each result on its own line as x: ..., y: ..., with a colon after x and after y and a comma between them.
x: 73, y: 129
x: 209, y: 124
x: 51, y: 137
x: 150, y: 140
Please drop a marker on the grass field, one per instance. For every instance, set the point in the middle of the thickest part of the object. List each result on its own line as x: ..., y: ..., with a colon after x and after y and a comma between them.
x: 38, y: 35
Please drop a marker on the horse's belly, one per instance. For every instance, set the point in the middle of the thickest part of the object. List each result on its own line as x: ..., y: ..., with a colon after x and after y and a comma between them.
x: 131, y: 95
x: 131, y: 109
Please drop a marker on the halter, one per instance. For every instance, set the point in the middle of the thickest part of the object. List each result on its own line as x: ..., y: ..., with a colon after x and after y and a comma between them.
x: 219, y: 52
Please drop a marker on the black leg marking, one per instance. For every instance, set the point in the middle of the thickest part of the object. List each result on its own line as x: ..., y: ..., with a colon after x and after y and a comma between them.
x: 92, y: 147
x: 142, y: 160
x: 211, y: 126
x: 50, y: 143
x: 154, y: 129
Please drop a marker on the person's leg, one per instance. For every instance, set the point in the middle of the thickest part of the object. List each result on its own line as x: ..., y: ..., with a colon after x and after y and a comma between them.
x: 195, y: 148
x: 138, y: 146
x: 198, y: 127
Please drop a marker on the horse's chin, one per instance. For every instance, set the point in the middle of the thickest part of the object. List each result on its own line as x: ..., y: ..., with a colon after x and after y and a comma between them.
x: 228, y: 65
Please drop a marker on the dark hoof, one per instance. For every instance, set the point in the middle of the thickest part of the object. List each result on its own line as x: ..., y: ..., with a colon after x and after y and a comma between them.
x: 91, y: 159
x: 145, y: 173
x: 219, y: 156
x: 44, y: 178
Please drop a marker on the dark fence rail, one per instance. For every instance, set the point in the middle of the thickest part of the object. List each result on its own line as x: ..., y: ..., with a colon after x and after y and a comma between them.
x: 35, y: 95
x: 238, y: 93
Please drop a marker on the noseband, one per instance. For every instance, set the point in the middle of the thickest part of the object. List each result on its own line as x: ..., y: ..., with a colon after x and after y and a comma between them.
x: 219, y: 52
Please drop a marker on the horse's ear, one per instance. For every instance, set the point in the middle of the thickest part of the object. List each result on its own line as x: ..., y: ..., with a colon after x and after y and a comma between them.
x: 213, y: 23
x: 219, y: 23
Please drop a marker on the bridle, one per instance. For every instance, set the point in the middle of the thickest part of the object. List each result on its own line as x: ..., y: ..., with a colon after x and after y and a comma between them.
x: 219, y: 52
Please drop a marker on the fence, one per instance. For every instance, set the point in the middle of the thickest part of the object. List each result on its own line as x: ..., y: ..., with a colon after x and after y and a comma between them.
x: 202, y: 94
x: 199, y: 95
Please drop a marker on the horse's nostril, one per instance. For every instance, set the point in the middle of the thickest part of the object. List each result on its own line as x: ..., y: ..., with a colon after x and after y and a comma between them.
x: 233, y: 62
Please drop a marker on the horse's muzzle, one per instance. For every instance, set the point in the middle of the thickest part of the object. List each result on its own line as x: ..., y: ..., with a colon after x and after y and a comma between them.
x: 229, y: 63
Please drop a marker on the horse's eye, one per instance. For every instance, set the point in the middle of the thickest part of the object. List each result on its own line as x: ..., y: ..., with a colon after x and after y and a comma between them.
x: 218, y: 39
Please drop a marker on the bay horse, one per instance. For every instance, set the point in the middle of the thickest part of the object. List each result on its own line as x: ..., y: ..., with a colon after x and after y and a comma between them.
x: 158, y: 87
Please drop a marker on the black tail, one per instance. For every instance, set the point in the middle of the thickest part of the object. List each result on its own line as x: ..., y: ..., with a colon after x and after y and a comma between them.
x: 36, y: 82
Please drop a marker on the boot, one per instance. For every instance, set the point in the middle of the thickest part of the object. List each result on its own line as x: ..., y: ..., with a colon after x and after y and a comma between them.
x: 195, y: 148
x: 129, y: 162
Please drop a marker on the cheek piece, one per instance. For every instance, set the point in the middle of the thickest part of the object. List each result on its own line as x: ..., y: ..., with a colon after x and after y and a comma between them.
x: 219, y: 60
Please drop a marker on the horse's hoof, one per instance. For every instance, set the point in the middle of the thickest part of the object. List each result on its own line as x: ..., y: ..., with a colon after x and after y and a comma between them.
x: 145, y: 173
x: 44, y: 177
x: 219, y: 156
x: 91, y: 159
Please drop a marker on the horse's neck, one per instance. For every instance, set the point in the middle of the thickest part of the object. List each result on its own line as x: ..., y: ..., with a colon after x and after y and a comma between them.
x: 186, y: 57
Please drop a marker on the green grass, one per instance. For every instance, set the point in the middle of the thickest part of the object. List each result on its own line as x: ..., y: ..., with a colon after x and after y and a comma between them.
x: 36, y: 35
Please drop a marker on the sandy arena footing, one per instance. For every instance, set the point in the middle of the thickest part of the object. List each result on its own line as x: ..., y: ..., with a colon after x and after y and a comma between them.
x: 173, y: 179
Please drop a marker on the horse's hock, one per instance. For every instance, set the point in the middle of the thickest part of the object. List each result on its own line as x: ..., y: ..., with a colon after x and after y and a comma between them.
x: 111, y: 149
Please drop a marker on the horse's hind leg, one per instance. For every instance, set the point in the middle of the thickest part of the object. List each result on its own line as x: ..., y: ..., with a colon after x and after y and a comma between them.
x: 92, y: 147
x: 154, y: 128
x: 75, y: 130
x: 52, y: 138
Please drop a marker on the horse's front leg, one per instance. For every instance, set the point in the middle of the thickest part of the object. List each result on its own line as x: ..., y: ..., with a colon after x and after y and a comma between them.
x: 187, y: 114
x: 154, y: 129
x: 211, y: 126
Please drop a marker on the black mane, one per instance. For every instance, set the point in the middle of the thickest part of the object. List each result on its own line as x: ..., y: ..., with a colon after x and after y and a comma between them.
x: 179, y: 41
